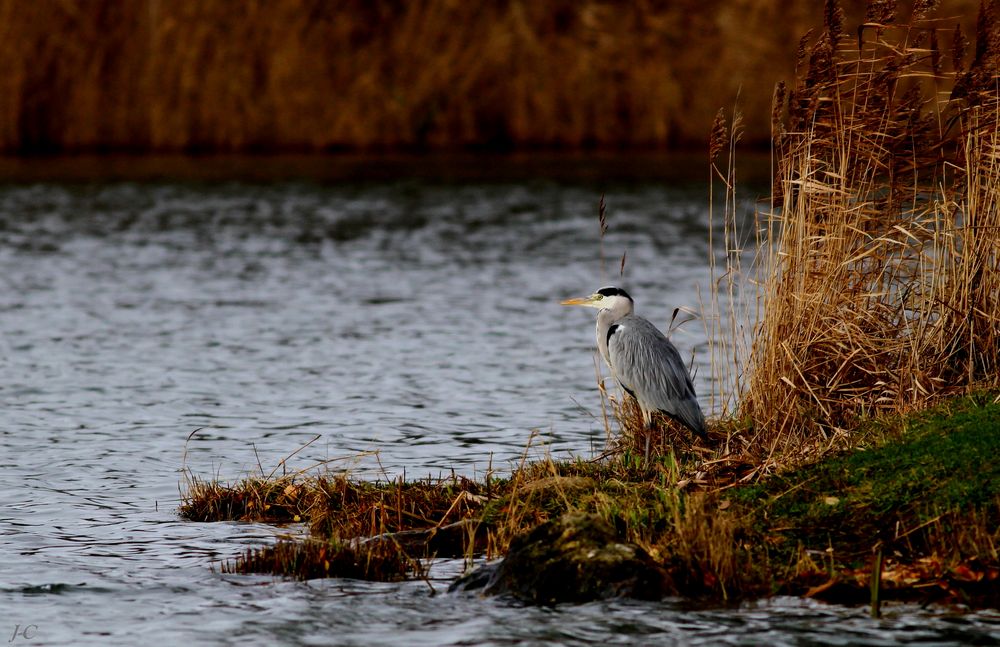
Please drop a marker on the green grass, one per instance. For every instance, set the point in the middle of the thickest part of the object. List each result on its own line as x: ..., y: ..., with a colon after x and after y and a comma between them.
x: 933, y: 465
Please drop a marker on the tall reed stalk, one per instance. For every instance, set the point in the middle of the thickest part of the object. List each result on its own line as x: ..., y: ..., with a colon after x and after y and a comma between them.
x: 879, y: 268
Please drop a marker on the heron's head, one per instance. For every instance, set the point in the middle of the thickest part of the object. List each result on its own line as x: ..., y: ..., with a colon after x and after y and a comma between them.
x: 609, y: 298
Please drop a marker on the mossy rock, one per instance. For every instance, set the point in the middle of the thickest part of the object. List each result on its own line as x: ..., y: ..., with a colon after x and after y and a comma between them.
x: 576, y: 558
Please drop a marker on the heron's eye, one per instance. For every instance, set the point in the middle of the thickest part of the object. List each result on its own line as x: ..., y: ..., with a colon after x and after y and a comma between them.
x: 600, y: 296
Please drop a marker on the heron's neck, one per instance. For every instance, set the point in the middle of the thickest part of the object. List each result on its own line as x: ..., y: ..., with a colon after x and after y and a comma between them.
x: 618, y: 309
x: 605, y: 319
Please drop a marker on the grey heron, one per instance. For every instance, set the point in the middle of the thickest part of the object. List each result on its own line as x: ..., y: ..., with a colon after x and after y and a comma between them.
x: 643, y: 360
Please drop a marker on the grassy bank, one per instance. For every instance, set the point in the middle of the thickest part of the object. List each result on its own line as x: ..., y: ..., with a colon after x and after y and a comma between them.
x: 925, y: 494
x: 309, y: 75
x: 924, y: 490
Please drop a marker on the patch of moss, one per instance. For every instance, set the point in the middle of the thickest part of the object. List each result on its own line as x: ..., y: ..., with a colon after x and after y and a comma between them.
x: 931, y: 464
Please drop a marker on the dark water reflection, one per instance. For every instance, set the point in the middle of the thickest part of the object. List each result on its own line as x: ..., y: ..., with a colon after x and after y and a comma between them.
x: 418, y: 318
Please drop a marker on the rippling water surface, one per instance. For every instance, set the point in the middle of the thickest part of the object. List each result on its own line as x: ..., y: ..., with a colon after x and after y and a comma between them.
x: 417, y: 318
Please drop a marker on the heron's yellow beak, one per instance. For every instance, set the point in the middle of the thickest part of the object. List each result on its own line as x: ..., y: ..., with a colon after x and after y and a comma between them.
x: 583, y: 301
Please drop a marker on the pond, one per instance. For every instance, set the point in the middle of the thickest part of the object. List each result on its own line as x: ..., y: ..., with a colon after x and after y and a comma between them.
x: 396, y: 322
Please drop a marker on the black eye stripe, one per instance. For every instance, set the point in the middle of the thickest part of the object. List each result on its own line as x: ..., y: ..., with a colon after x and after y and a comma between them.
x: 612, y: 291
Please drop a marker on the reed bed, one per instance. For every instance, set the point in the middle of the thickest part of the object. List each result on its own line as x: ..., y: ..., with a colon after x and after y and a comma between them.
x: 879, y: 262
x: 227, y: 75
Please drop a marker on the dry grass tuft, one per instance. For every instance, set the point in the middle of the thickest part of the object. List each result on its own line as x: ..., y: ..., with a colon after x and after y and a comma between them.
x: 880, y: 257
x: 427, y: 517
x: 275, y: 500
x: 346, y: 508
x: 312, y: 558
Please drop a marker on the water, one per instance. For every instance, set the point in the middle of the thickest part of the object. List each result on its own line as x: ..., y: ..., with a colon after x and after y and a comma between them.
x: 417, y: 318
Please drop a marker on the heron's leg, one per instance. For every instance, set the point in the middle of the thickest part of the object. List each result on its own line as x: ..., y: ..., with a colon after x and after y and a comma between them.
x: 648, y: 428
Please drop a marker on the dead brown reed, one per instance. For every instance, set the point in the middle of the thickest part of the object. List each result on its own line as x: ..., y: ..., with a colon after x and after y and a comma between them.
x: 255, y: 498
x: 345, y: 508
x: 225, y: 75
x: 880, y: 256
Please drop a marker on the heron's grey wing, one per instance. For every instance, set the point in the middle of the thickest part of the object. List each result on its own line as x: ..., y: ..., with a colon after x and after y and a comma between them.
x: 649, y: 366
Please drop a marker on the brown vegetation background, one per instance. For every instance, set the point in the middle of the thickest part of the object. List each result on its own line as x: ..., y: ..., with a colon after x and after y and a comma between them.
x: 312, y: 75
x: 879, y: 261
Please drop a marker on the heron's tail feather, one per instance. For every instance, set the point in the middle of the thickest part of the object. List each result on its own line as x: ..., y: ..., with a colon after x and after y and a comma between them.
x: 690, y: 415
